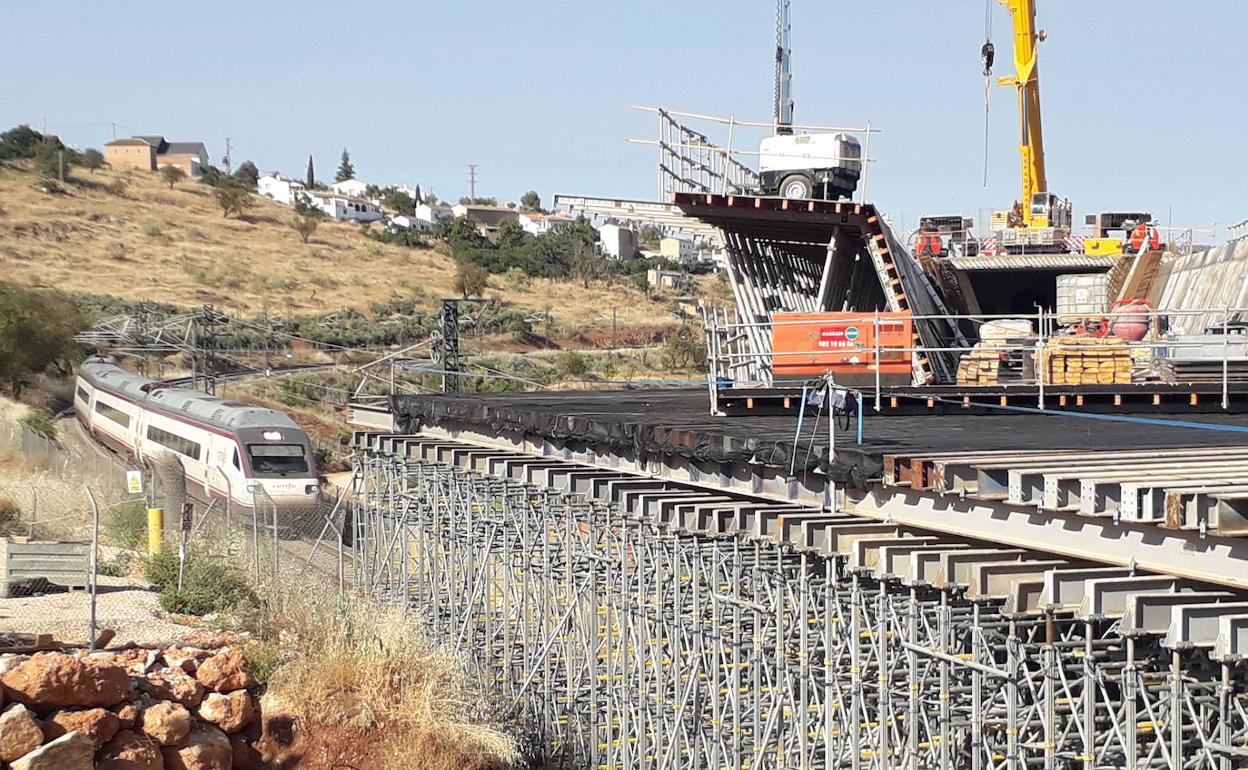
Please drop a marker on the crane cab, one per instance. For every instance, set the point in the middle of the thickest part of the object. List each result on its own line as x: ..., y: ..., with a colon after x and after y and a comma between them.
x: 1048, y: 210
x: 1042, y: 228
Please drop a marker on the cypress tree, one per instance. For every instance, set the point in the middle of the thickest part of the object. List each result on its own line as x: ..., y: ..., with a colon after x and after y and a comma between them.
x: 310, y: 181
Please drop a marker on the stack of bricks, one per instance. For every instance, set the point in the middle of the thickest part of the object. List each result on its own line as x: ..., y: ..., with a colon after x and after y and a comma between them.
x: 980, y: 366
x: 1087, y: 361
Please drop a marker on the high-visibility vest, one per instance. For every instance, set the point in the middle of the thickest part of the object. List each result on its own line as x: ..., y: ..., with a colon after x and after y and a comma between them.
x: 1143, y: 231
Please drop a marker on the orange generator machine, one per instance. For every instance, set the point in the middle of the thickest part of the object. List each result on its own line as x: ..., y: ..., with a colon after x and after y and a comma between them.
x: 855, y: 347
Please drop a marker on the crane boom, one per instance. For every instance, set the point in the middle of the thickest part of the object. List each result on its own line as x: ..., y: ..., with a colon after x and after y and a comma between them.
x: 1026, y: 79
x: 783, y: 108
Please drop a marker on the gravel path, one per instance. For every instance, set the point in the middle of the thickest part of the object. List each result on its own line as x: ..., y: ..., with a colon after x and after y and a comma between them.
x: 125, y: 605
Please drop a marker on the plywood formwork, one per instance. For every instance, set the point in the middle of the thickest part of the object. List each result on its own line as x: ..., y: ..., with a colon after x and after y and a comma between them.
x: 1211, y: 278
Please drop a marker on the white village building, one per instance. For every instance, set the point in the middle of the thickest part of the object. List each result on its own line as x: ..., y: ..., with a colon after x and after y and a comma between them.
x: 433, y: 214
x: 541, y: 224
x: 617, y: 242
x: 344, y: 208
x: 280, y: 188
x: 352, y: 188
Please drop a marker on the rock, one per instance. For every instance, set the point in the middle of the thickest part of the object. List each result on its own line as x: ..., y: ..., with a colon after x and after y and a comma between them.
x: 206, y: 640
x: 165, y: 722
x: 173, y: 685
x: 19, y: 732
x: 10, y: 662
x: 55, y: 680
x: 100, y: 725
x: 230, y: 711
x: 128, y: 714
x: 185, y: 658
x: 226, y: 671
x: 205, y: 748
x: 74, y: 751
x: 246, y: 756
x: 131, y: 751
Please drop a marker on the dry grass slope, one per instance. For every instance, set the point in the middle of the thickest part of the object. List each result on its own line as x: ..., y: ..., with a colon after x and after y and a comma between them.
x: 173, y: 245
x: 365, y: 687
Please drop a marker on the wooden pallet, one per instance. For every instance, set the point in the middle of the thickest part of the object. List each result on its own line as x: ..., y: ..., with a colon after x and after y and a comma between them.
x: 1087, y: 361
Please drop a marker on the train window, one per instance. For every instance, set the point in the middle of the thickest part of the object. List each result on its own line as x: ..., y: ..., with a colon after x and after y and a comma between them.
x: 237, y: 464
x: 183, y: 446
x: 112, y: 413
x: 83, y: 394
x: 280, y: 459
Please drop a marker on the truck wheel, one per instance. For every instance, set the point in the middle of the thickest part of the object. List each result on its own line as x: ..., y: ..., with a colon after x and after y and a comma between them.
x: 796, y: 187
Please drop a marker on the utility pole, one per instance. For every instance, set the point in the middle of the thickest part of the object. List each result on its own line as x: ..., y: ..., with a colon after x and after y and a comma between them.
x: 114, y: 125
x: 226, y: 159
x: 472, y: 182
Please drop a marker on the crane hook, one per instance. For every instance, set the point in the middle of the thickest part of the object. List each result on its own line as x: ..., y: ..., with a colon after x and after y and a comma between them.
x: 986, y: 55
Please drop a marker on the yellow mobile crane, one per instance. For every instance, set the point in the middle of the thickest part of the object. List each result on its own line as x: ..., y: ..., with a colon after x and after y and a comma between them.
x: 1039, y: 221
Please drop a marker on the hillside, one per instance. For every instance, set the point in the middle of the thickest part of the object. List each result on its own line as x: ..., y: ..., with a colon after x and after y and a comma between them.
x: 130, y: 236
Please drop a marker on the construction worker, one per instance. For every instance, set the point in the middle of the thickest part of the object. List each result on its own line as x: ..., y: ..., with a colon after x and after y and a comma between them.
x: 1145, y: 232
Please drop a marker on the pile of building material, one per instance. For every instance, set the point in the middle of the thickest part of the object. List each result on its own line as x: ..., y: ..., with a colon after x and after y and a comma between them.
x: 981, y: 366
x: 1086, y: 360
x: 1176, y: 370
x: 1001, y: 355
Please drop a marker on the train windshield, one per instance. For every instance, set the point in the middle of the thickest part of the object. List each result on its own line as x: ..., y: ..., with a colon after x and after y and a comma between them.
x: 277, y: 459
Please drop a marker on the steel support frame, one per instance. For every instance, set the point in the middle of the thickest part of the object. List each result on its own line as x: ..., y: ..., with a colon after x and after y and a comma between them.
x: 614, y: 640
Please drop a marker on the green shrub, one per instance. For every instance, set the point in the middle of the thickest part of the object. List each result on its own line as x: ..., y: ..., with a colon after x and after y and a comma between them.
x: 156, y: 230
x: 262, y: 659
x: 40, y: 423
x: 209, y: 582
x: 117, y: 251
x: 573, y: 364
x: 516, y: 279
x: 121, y: 566
x: 684, y: 351
x: 125, y: 526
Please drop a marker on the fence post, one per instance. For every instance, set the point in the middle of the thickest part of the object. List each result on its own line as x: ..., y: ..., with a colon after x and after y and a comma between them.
x: 1226, y: 396
x: 93, y: 632
x: 155, y: 530
x: 255, y: 534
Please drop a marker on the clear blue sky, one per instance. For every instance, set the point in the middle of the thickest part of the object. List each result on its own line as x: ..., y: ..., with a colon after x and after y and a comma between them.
x: 1143, y: 99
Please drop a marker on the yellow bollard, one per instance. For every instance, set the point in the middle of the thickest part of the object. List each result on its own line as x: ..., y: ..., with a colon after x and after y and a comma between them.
x: 155, y: 529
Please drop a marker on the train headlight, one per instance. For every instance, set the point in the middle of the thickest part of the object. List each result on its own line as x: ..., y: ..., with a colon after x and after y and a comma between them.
x: 311, y: 489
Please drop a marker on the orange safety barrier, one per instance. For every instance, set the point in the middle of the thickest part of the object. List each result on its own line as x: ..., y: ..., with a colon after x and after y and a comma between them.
x: 842, y: 343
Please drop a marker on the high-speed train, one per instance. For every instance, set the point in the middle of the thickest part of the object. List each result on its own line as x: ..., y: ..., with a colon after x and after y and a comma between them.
x: 228, y: 449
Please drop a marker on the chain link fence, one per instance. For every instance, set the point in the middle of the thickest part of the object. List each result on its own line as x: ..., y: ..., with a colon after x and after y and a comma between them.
x: 80, y: 514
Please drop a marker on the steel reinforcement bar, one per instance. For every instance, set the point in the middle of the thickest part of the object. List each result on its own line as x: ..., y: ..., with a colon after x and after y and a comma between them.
x: 629, y: 622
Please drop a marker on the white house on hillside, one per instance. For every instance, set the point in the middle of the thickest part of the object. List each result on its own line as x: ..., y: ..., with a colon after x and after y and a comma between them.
x: 540, y: 224
x: 617, y: 242
x: 345, y: 209
x: 353, y: 188
x: 433, y: 214
x: 412, y: 192
x: 280, y: 188
x: 412, y: 223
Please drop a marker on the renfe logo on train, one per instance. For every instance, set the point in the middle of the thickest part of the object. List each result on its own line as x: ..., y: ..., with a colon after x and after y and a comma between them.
x: 837, y: 336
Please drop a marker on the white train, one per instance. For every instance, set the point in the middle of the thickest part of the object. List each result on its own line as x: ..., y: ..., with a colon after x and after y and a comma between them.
x: 228, y: 449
